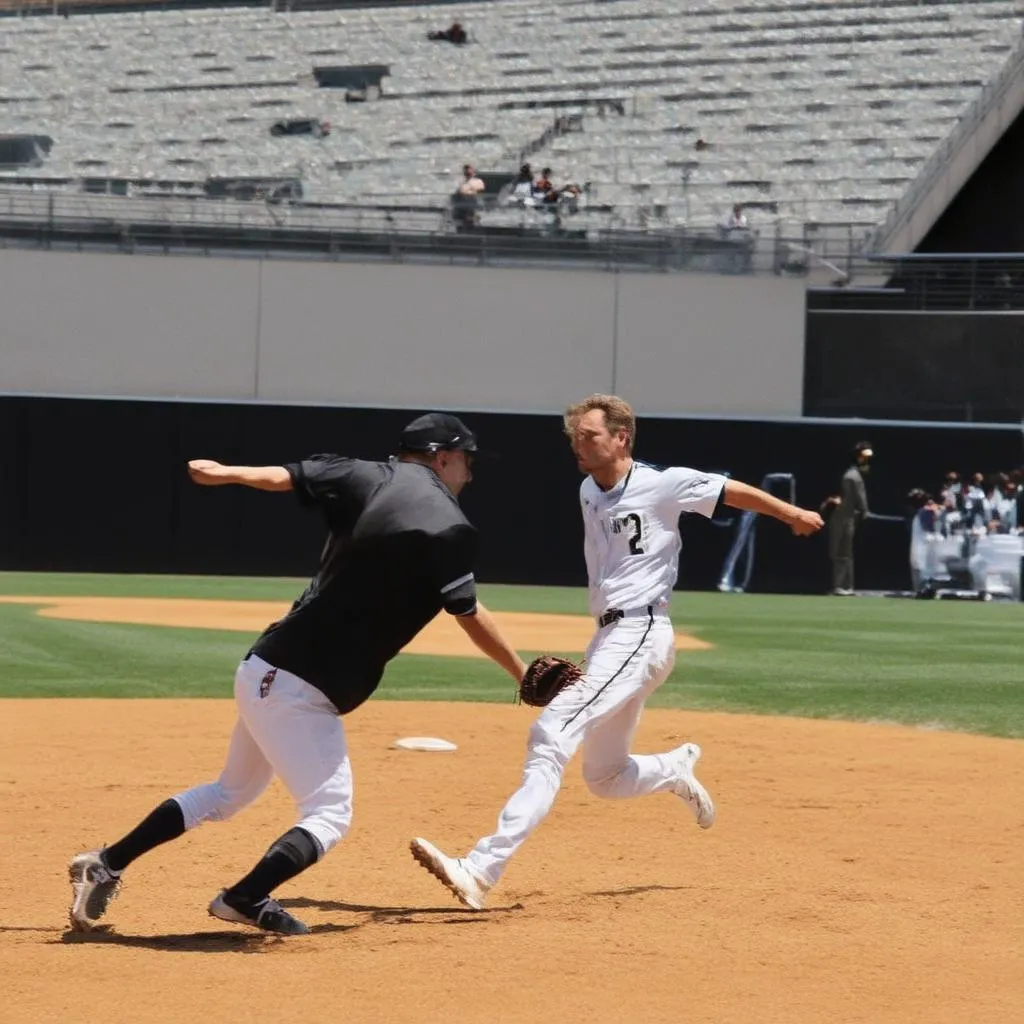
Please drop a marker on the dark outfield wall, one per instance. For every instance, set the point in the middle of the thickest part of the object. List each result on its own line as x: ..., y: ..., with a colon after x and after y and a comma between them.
x: 900, y: 364
x: 96, y: 485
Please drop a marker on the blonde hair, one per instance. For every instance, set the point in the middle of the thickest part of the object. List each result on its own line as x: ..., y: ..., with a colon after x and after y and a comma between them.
x: 618, y: 415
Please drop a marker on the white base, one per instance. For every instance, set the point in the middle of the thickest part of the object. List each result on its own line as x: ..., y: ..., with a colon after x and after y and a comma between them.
x: 422, y: 743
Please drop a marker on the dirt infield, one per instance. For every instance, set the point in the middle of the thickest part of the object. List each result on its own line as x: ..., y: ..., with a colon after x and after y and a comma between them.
x: 856, y: 873
x: 529, y: 631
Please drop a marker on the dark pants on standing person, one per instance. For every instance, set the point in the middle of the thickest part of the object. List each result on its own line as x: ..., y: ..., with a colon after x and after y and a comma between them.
x: 840, y: 551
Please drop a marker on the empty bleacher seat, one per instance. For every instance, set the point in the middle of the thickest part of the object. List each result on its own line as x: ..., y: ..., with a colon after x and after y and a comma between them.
x: 822, y: 109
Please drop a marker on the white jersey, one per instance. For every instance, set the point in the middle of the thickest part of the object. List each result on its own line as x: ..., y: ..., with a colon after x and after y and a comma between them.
x: 924, y: 540
x: 631, y: 533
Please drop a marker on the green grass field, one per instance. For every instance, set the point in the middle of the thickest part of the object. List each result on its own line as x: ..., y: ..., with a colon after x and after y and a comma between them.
x: 940, y: 664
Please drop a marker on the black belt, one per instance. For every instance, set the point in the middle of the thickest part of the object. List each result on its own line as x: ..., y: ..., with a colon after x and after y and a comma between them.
x: 614, y: 614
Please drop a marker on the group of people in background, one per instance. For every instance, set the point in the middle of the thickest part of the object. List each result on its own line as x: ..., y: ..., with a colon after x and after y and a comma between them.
x: 525, y: 190
x: 528, y: 190
x: 967, y: 511
x: 979, y: 504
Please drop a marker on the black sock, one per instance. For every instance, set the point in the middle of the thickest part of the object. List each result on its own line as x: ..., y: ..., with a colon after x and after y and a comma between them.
x: 295, y: 851
x: 162, y: 825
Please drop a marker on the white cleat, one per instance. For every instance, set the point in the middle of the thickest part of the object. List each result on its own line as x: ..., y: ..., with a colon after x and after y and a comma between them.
x: 688, y: 789
x: 468, y: 887
x: 93, y: 885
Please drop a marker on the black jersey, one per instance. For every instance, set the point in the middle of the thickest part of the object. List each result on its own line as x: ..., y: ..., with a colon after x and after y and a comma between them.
x: 399, y: 550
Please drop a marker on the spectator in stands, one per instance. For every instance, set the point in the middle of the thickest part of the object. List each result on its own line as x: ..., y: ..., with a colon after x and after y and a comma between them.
x: 470, y: 185
x: 455, y: 33
x: 701, y: 144
x: 465, y: 203
x: 736, y: 221
x: 523, y: 186
x: 567, y: 201
x: 544, y: 189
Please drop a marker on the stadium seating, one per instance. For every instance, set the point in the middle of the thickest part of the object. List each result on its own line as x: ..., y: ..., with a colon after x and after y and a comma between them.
x: 817, y: 110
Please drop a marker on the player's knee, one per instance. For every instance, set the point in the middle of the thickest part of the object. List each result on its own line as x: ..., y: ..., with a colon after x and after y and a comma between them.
x: 327, y: 814
x: 544, y: 738
x: 604, y: 781
x: 212, y: 802
x: 327, y: 825
x: 544, y: 751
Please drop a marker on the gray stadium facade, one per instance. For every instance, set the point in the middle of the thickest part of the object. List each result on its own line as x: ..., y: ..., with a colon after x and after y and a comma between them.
x: 244, y: 336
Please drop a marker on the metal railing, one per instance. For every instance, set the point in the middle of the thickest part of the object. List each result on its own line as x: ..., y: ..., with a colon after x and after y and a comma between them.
x: 55, y: 207
x: 925, y: 281
x: 413, y: 231
x: 992, y: 93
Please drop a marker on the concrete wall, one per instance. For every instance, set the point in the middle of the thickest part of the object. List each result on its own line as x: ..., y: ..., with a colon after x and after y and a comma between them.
x: 411, y: 336
x: 708, y: 344
x: 75, y: 324
x: 396, y: 336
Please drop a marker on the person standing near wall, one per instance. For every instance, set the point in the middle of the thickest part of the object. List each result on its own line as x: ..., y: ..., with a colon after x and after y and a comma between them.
x: 850, y: 508
x: 924, y: 539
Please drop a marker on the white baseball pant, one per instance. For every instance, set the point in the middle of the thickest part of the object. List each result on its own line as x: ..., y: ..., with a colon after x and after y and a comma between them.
x: 288, y: 728
x: 627, y: 661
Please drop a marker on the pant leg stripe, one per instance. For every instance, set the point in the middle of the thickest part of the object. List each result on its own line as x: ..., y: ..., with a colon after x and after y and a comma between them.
x: 614, y: 676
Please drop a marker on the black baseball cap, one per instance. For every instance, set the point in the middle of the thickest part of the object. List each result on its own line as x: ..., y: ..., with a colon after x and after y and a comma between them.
x: 438, y: 431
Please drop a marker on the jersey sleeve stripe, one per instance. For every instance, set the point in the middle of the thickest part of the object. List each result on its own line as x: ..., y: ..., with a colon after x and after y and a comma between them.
x: 455, y: 584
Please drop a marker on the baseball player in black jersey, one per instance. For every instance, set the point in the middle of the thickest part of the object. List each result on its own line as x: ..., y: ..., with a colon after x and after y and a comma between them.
x: 399, y: 549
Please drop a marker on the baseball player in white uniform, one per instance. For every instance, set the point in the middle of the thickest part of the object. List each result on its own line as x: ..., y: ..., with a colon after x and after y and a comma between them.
x: 631, y: 543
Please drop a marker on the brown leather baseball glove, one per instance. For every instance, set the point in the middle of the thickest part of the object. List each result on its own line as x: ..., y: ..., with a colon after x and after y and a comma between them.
x: 545, y: 678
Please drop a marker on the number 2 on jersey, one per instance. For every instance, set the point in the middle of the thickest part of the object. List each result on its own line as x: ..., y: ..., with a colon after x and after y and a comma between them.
x: 637, y: 536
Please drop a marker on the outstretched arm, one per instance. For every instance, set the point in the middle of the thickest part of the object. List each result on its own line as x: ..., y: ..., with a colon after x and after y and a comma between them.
x: 263, y: 478
x: 481, y: 628
x: 800, y: 520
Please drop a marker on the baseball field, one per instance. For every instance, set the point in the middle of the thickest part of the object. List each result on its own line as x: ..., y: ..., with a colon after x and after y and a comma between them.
x: 866, y: 757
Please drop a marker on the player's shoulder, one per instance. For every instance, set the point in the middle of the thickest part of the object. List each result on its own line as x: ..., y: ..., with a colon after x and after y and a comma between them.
x: 330, y: 466
x: 655, y: 477
x: 671, y: 481
x: 344, y: 463
x: 674, y: 473
x: 644, y: 470
x: 649, y: 483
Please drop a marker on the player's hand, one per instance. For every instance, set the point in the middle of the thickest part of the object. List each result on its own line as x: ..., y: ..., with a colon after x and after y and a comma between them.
x: 804, y: 522
x: 206, y: 471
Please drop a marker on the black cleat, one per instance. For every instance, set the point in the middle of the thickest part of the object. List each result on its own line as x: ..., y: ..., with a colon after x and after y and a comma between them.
x: 266, y: 914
